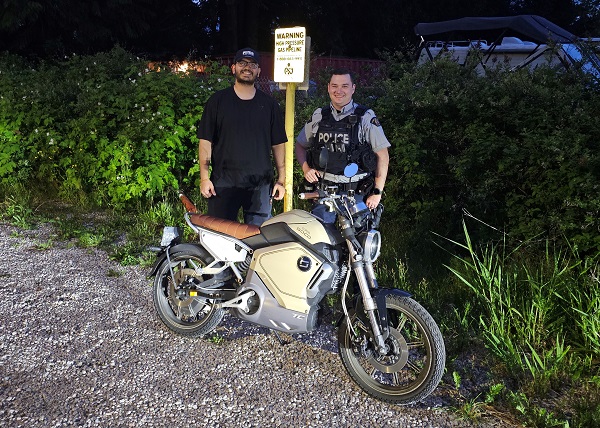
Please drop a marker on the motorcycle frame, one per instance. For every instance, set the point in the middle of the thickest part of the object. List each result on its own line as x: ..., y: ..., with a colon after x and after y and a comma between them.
x: 227, y: 250
x: 261, y: 288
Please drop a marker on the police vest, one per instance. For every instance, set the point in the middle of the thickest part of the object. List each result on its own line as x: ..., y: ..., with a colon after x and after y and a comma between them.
x: 340, y: 138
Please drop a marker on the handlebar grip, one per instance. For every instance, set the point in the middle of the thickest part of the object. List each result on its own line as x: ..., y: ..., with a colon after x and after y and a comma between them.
x: 309, y: 195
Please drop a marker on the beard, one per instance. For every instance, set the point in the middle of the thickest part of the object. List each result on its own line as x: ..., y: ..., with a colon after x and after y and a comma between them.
x: 245, y: 79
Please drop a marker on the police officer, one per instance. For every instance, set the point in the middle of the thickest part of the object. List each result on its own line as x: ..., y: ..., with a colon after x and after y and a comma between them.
x: 350, y: 133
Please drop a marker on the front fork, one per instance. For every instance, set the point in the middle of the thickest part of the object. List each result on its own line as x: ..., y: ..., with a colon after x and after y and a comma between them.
x: 365, y: 276
x: 370, y: 306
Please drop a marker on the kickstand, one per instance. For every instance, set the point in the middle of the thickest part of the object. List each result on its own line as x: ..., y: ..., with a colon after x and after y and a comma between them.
x: 281, y: 342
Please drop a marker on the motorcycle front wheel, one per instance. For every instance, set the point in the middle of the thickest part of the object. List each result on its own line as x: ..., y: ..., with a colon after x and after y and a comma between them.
x: 178, y: 305
x: 414, y: 363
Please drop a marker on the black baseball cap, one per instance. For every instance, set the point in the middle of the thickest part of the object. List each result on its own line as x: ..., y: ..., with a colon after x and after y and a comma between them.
x: 246, y: 53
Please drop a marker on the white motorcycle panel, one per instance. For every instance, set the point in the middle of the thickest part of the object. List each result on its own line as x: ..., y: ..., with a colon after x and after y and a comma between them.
x: 223, y: 247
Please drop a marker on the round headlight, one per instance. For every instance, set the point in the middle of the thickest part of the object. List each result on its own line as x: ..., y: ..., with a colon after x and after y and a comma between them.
x: 372, y: 245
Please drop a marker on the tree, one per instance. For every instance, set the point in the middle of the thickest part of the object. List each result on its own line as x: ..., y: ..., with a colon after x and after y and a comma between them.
x: 563, y: 13
x: 58, y: 27
x: 349, y: 28
x: 588, y: 24
x: 165, y: 28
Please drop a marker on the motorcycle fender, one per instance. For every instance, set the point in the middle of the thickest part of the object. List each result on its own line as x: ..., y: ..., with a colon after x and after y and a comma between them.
x: 180, y: 248
x: 380, y: 294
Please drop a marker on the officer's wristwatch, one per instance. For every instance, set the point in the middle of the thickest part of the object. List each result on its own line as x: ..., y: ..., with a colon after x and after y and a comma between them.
x: 376, y: 191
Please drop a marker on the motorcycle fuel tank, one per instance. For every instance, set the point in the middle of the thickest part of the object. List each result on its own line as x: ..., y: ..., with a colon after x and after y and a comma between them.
x: 305, y: 225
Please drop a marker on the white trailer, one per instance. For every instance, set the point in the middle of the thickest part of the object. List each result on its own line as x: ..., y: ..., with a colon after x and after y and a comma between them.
x: 508, y: 42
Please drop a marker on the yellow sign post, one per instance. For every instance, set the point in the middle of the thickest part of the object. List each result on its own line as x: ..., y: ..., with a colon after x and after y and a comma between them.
x: 290, y: 103
x: 290, y: 68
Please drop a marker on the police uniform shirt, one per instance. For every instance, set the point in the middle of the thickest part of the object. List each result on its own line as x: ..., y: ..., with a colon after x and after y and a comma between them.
x: 370, y: 129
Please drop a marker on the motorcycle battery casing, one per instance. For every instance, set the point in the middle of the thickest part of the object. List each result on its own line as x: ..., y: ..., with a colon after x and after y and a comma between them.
x: 290, y: 270
x: 269, y: 312
x: 291, y: 273
x: 289, y: 281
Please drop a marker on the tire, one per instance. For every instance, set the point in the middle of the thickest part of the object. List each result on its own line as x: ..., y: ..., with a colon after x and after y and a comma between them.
x: 414, y: 365
x: 186, y: 315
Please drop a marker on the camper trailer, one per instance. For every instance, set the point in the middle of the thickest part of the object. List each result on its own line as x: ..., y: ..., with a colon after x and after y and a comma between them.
x: 509, y: 42
x: 511, y: 53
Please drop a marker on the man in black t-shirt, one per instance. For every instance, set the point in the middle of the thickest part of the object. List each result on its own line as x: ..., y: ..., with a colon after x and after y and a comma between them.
x: 240, y: 127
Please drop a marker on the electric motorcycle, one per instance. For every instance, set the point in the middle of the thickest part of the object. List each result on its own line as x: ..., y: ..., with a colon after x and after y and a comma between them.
x: 277, y: 276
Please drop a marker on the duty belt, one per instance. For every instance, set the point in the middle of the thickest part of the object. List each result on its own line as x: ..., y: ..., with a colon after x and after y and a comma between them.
x: 343, y: 179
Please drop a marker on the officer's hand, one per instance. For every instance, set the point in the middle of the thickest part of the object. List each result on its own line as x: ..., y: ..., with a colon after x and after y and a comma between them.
x: 372, y: 201
x: 207, y: 189
x: 278, y: 191
x: 312, y: 175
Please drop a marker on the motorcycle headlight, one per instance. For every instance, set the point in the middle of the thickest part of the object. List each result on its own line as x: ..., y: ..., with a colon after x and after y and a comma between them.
x: 372, y: 245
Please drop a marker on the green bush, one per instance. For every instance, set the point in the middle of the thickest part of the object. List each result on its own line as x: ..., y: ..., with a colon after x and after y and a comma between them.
x: 517, y: 150
x: 104, y: 125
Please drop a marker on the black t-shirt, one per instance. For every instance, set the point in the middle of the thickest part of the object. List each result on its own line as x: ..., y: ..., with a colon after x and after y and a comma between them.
x: 242, y: 133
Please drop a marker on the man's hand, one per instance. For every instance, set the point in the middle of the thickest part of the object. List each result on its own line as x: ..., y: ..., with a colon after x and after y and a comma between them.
x: 278, y: 191
x: 312, y: 175
x: 372, y: 201
x: 207, y: 189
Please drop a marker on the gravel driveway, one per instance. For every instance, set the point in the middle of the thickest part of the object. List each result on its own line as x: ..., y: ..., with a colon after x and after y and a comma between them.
x: 81, y: 345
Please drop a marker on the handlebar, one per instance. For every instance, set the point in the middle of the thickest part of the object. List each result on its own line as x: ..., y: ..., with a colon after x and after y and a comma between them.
x: 309, y: 195
x: 321, y: 194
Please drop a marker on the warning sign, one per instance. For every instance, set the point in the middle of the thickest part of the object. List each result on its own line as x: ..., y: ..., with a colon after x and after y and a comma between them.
x: 290, y: 51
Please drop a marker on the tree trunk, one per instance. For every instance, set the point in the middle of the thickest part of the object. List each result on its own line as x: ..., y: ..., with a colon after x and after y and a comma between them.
x: 229, y: 30
x: 240, y: 24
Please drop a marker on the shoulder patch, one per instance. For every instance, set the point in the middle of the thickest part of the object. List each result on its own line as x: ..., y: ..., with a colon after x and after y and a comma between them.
x: 375, y: 122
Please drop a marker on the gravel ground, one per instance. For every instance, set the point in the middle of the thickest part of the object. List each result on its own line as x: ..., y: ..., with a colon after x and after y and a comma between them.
x: 81, y: 345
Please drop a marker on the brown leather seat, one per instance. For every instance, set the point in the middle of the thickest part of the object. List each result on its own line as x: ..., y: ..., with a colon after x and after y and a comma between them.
x: 232, y: 228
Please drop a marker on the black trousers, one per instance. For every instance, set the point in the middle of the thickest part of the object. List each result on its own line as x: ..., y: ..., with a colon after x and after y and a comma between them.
x: 255, y: 204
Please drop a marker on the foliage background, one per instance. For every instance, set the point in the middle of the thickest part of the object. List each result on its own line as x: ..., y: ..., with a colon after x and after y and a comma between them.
x: 163, y: 29
x: 519, y: 151
x: 103, y: 126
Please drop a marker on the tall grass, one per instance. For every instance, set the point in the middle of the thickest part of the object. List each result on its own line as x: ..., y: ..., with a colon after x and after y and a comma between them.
x: 537, y: 313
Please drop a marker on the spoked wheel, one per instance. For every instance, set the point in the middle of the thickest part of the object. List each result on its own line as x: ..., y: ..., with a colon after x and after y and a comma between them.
x: 414, y: 363
x: 178, y: 305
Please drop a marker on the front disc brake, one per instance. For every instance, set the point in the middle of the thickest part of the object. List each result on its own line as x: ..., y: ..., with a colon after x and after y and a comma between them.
x: 397, y: 356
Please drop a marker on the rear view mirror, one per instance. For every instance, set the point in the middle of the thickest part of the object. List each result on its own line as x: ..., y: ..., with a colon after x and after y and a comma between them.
x: 350, y: 170
x: 323, y: 158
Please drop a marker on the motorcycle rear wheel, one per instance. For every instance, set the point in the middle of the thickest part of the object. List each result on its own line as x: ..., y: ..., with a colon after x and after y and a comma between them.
x: 414, y: 364
x: 175, y: 303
